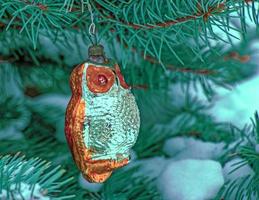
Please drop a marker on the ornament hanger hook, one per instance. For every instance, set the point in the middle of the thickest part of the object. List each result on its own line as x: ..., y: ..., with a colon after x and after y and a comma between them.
x: 92, y: 27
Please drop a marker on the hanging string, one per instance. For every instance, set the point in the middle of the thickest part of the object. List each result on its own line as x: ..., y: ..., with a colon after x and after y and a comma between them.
x: 92, y: 27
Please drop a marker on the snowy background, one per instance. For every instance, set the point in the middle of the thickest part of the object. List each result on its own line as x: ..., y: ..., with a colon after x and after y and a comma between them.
x: 191, y: 170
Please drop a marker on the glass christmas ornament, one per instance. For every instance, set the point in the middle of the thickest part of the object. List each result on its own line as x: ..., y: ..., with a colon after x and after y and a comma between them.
x: 102, y: 117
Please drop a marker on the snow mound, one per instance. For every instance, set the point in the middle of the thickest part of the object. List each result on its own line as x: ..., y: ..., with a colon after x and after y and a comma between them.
x: 91, y: 187
x: 191, y: 180
x: 153, y: 167
x: 238, y: 105
x: 149, y: 167
x: 183, y: 148
x: 257, y: 148
x: 26, y: 192
x: 229, y: 174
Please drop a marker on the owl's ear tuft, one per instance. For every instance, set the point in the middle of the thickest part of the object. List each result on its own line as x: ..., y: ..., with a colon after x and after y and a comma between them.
x: 121, y: 77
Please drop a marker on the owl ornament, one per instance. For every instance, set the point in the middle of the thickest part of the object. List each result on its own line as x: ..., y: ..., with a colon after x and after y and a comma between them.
x: 102, y: 117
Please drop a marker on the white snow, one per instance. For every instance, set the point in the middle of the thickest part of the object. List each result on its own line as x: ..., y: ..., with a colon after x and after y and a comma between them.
x: 52, y: 99
x: 231, y: 175
x: 25, y: 192
x: 240, y: 172
x: 91, y: 187
x: 152, y: 167
x: 187, y: 147
x: 191, y: 180
x: 257, y: 148
x: 10, y: 133
x: 239, y: 105
x: 133, y: 155
x: 56, y: 105
x: 10, y: 81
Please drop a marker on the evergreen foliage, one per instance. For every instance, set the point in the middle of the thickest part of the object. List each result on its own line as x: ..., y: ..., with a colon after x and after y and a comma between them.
x: 245, y: 187
x: 167, y: 50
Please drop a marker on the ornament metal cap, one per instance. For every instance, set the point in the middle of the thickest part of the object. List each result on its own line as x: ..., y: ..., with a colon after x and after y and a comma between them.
x: 96, y: 50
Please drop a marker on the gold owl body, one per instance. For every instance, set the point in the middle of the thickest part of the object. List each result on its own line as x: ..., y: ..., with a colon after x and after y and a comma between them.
x: 102, y: 120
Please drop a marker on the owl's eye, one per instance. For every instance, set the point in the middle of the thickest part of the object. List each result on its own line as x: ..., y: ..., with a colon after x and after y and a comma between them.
x: 102, y: 80
x: 99, y: 79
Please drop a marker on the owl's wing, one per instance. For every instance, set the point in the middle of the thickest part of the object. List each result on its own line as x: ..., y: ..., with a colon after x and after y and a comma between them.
x: 75, y: 84
x: 75, y: 116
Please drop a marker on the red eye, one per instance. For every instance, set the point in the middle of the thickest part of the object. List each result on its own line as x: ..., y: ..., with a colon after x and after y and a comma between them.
x: 99, y: 79
x: 102, y: 80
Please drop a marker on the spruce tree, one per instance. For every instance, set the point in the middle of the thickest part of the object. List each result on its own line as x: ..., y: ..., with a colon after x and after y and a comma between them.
x: 170, y: 52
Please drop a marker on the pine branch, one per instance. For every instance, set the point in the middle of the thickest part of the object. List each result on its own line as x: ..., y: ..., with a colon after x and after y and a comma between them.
x: 31, y: 179
x: 184, y: 70
x: 244, y: 187
x: 130, y: 184
x: 204, y: 14
x: 154, y: 41
x: 33, y: 18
